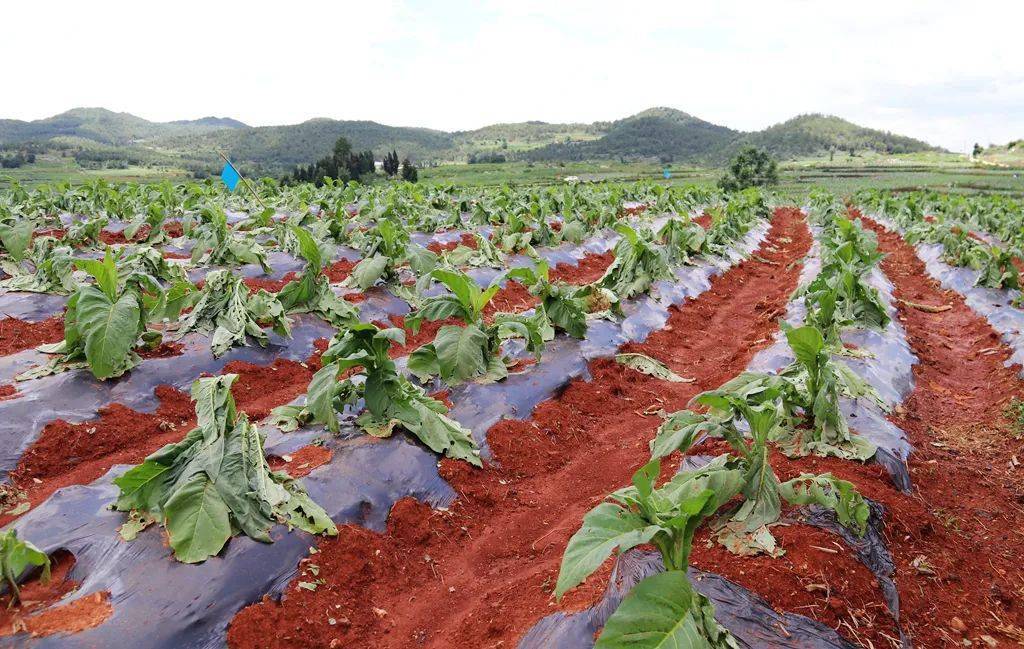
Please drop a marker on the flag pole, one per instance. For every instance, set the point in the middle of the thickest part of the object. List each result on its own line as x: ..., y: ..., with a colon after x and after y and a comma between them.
x: 244, y: 179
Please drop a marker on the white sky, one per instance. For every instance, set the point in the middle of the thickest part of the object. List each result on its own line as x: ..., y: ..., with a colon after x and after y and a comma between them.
x: 951, y: 73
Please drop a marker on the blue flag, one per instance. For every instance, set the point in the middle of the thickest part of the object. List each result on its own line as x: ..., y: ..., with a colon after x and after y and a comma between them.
x: 230, y: 176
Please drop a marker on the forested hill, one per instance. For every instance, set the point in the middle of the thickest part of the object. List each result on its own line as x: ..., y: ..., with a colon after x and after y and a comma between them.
x: 658, y: 133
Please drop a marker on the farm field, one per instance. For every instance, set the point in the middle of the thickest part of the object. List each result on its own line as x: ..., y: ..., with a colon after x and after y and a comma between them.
x: 498, y: 409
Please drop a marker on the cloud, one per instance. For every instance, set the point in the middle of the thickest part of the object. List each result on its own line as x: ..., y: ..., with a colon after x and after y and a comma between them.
x: 947, y: 72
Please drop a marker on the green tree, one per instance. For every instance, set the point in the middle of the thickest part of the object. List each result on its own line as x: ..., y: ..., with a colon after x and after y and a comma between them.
x: 750, y: 168
x: 391, y: 163
x: 342, y: 150
x: 409, y: 172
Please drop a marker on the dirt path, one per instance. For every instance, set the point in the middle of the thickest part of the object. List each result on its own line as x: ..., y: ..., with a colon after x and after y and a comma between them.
x: 481, y: 573
x: 958, y: 544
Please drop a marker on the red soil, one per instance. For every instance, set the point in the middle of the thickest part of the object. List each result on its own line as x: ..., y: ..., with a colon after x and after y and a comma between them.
x: 466, y: 239
x: 481, y: 573
x: 7, y: 390
x: 113, y: 238
x: 590, y: 269
x: 172, y: 229
x: 339, y: 271
x: 176, y: 255
x: 704, y: 220
x: 302, y: 462
x: 164, y: 350
x: 269, y: 285
x: 56, y: 233
x: 84, y: 613
x: 66, y: 454
x: 17, y: 335
x: 414, y: 340
x: 437, y: 247
x: 512, y: 298
x: 965, y: 468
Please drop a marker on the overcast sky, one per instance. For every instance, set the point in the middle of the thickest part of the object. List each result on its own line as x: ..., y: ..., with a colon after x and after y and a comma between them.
x: 951, y: 73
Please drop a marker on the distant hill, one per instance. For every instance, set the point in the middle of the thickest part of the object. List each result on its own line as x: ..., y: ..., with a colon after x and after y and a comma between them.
x: 286, y: 146
x: 105, y: 126
x: 212, y: 122
x: 656, y: 133
x: 808, y: 135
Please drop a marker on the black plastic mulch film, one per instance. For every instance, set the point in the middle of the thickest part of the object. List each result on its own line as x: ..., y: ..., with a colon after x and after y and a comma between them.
x: 191, y: 605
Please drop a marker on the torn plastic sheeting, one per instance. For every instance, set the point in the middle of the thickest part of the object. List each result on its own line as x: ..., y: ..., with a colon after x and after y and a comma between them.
x: 31, y: 307
x: 181, y: 605
x: 748, y: 617
x: 365, y: 476
x: 76, y: 396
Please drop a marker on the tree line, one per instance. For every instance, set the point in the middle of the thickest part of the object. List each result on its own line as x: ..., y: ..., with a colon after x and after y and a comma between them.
x: 343, y: 164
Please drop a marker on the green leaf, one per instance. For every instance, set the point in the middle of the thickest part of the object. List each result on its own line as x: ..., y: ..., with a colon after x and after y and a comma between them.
x: 16, y: 238
x: 308, y: 249
x: 423, y: 362
x: 142, y: 487
x: 320, y: 396
x: 111, y: 330
x: 197, y: 520
x: 806, y: 343
x: 136, y: 523
x: 606, y: 528
x: 461, y: 352
x: 105, y: 272
x: 663, y: 612
x: 366, y: 273
x: 461, y: 286
x: 835, y: 494
x: 15, y: 556
x: 651, y: 367
x: 680, y: 430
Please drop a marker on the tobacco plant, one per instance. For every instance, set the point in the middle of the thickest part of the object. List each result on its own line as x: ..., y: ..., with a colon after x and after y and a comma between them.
x: 473, y: 351
x: 639, y: 263
x: 311, y: 291
x: 45, y: 267
x: 562, y: 303
x: 663, y: 610
x: 360, y: 354
x: 105, y: 321
x: 15, y: 556
x: 227, y: 310
x: 215, y: 483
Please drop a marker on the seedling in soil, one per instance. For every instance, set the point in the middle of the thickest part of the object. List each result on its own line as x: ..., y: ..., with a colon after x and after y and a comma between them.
x: 15, y: 556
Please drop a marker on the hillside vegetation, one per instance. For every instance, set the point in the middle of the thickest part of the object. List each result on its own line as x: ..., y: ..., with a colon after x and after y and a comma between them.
x: 106, y: 127
x: 808, y: 135
x: 1010, y: 154
x: 657, y: 134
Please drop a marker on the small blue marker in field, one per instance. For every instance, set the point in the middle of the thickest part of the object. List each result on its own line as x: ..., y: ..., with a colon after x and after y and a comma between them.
x: 230, y: 176
x: 664, y: 172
